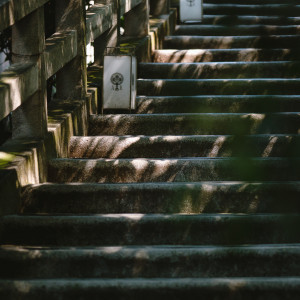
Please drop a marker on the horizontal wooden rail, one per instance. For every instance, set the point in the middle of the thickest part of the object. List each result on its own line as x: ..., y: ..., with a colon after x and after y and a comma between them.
x: 127, y: 5
x: 17, y: 84
x: 20, y: 81
x: 12, y: 11
x: 99, y: 18
x: 61, y: 48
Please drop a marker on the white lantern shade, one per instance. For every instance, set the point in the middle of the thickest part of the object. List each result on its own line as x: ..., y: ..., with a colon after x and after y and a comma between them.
x: 119, y: 82
x: 191, y: 10
x: 133, y: 82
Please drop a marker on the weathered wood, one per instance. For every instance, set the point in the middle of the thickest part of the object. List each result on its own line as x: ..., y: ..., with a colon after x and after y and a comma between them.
x: 99, y: 18
x: 17, y: 84
x: 28, y: 35
x: 159, y: 7
x: 136, y: 21
x: 127, y: 5
x: 71, y: 80
x: 61, y: 48
x: 12, y: 11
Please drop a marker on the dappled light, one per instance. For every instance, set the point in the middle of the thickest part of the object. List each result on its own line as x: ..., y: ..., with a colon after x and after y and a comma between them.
x: 193, y: 189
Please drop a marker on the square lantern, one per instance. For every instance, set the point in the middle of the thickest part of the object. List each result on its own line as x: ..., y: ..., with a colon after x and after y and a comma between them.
x: 191, y: 10
x: 119, y: 79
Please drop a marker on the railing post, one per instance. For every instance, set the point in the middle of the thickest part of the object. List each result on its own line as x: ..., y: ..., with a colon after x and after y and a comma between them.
x: 71, y: 81
x: 136, y: 21
x: 108, y: 38
x: 28, y: 44
x: 159, y: 7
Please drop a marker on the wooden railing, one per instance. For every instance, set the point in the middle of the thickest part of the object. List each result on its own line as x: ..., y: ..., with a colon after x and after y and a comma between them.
x: 23, y: 85
x: 40, y: 133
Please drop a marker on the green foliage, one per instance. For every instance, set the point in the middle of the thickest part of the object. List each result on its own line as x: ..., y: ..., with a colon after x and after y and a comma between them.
x: 6, y: 159
x: 5, y: 43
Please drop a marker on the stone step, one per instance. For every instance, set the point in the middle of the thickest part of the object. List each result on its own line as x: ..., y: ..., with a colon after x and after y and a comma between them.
x: 278, y: 288
x: 149, y: 229
x: 248, y: 2
x: 223, y: 55
x: 229, y: 42
x: 193, y: 87
x: 168, y: 146
x: 218, y: 104
x: 212, y: 70
x: 288, y: 9
x: 212, y: 30
x: 150, y: 262
x: 192, y: 197
x: 123, y: 170
x: 195, y: 124
x: 230, y: 19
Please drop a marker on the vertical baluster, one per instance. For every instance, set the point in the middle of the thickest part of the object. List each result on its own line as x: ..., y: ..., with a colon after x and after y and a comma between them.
x: 28, y: 44
x: 71, y: 80
x: 136, y: 21
x: 110, y: 37
x: 159, y: 7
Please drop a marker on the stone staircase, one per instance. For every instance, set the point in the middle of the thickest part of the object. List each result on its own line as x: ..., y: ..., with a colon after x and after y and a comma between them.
x: 194, y: 196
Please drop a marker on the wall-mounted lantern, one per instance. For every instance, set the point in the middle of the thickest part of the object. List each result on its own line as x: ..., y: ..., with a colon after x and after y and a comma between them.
x: 119, y: 79
x: 191, y: 10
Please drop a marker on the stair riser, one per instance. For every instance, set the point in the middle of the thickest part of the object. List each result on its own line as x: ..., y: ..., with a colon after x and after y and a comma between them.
x: 183, y: 170
x: 217, y: 30
x: 217, y: 104
x: 169, y: 263
x: 230, y: 42
x: 217, y: 289
x: 206, y: 197
x: 234, y: 20
x: 184, y: 146
x: 211, y: 55
x: 219, y: 70
x: 246, y: 2
x: 149, y: 230
x: 192, y: 87
x: 288, y: 10
x: 190, y: 124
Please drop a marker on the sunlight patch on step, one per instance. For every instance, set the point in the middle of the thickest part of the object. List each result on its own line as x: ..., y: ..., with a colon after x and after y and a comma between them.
x: 217, y: 146
x: 256, y: 117
x: 90, y: 164
x: 270, y: 147
x: 161, y: 167
x: 22, y: 286
x: 122, y: 145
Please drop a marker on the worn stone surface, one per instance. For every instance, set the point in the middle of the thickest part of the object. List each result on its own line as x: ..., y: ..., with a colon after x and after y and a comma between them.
x: 191, y: 87
x: 229, y: 42
x: 219, y: 55
x: 173, y: 170
x: 170, y: 146
x: 192, y: 123
x: 231, y: 70
x: 160, y: 288
x: 149, y: 229
x: 165, y: 197
x: 146, y: 261
x: 218, y: 104
x: 218, y: 30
